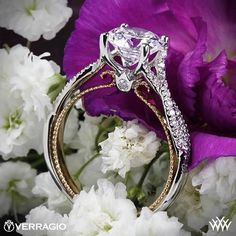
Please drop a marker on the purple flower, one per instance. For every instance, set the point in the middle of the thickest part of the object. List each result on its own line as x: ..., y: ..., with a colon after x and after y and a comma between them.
x: 200, y: 65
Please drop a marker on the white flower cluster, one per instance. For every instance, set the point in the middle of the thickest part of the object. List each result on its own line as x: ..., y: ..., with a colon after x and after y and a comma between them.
x: 43, y: 215
x: 24, y: 83
x: 46, y: 188
x: 133, y: 144
x: 218, y: 179
x: 207, y: 194
x: 130, y: 145
x: 16, y: 183
x: 107, y: 211
x: 34, y: 18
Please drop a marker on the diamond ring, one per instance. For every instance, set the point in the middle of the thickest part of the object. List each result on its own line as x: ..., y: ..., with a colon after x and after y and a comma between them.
x: 136, y: 58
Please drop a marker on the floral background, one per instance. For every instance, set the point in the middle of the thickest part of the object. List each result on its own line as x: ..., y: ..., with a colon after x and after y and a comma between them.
x: 119, y: 158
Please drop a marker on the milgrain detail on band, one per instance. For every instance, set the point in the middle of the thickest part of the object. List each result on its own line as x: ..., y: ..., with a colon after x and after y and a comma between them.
x: 174, y: 118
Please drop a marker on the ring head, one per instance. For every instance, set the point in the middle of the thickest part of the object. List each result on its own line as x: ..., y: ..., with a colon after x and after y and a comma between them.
x: 124, y: 50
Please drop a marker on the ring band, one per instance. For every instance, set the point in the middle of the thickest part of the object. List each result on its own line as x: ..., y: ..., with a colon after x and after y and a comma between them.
x: 149, y: 73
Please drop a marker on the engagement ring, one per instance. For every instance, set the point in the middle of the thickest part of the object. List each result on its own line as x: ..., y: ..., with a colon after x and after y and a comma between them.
x: 136, y: 62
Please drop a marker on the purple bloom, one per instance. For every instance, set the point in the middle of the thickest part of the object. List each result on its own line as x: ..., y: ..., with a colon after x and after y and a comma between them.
x: 200, y: 65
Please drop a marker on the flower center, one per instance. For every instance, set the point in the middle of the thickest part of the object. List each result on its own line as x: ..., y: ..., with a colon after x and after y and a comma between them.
x: 104, y: 221
x: 31, y: 8
x: 13, y: 121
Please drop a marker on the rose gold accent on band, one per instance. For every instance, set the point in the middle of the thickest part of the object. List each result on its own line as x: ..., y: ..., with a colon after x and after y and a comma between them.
x: 56, y: 153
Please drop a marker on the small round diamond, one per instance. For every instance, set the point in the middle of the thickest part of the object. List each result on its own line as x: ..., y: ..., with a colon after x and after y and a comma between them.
x: 123, y: 85
x: 172, y: 112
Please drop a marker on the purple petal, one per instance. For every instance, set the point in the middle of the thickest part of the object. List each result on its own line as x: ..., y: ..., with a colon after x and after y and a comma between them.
x: 197, y: 87
x: 97, y: 17
x: 111, y: 101
x: 184, y: 86
x: 219, y: 16
x: 217, y: 101
x: 82, y: 47
x: 206, y: 146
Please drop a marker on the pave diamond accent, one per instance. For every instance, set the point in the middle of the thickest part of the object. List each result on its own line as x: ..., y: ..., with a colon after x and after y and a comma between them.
x: 174, y: 117
x: 126, y: 43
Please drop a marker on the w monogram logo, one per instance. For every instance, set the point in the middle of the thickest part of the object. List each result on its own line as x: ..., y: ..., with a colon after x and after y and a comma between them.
x: 220, y: 224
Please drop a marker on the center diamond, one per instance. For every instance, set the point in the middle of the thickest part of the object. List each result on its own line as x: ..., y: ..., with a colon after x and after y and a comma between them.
x: 126, y: 43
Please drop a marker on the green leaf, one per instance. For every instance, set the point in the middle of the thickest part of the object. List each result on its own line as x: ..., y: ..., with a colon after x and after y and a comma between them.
x: 137, y: 195
x: 57, y: 87
x: 107, y: 125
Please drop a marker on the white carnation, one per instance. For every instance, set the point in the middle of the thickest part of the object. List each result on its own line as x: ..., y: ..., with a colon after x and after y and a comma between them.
x: 17, y: 180
x: 46, y: 187
x: 157, y: 224
x: 44, y: 216
x: 130, y: 145
x: 24, y: 82
x: 104, y: 211
x: 33, y: 18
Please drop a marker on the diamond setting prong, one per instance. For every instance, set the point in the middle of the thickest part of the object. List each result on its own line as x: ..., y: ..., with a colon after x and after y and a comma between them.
x: 145, y: 52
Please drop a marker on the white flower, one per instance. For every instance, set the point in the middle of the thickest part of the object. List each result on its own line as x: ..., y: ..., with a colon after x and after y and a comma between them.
x: 85, y: 142
x: 193, y: 208
x: 17, y: 180
x: 71, y: 128
x: 207, y: 194
x: 90, y: 174
x: 24, y: 82
x: 104, y: 211
x: 218, y: 179
x: 33, y: 18
x: 46, y: 187
x: 130, y: 145
x: 45, y: 217
x: 85, y: 138
x: 157, y: 224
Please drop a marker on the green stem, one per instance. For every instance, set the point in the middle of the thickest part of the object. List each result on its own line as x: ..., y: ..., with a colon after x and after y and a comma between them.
x: 78, y: 173
x: 147, y: 168
x: 14, y: 208
x: 100, y: 132
x: 28, y: 44
x: 232, y: 210
x: 127, y: 177
x: 37, y: 163
x: 6, y: 46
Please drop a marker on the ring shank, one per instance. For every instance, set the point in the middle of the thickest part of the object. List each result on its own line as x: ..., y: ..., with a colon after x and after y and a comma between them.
x: 54, y: 145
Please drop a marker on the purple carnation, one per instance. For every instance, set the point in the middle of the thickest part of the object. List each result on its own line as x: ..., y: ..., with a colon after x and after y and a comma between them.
x: 200, y: 65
